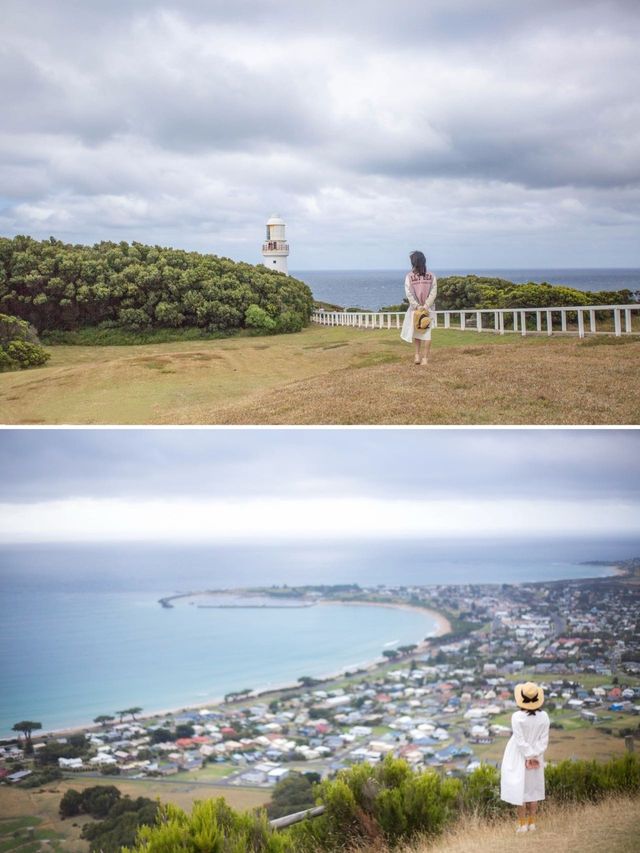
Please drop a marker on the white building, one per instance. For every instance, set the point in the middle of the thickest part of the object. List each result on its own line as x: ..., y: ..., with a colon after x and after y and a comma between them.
x: 275, y: 249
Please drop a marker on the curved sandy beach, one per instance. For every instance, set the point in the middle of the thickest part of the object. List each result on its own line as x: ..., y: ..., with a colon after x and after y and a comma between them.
x: 442, y: 627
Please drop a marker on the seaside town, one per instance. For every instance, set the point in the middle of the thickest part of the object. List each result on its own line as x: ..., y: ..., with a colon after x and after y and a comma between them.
x: 445, y: 702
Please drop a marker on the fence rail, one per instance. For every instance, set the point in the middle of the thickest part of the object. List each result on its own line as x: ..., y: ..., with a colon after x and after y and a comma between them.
x: 567, y: 319
x: 296, y: 817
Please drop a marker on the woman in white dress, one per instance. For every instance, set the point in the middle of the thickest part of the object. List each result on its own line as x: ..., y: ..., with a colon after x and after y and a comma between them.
x: 522, y: 772
x: 420, y: 289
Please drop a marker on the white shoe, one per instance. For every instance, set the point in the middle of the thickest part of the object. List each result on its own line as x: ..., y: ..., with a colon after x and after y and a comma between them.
x: 522, y: 828
x: 532, y: 827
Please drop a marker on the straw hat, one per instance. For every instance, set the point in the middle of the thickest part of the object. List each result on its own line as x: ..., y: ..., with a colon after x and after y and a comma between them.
x: 529, y: 696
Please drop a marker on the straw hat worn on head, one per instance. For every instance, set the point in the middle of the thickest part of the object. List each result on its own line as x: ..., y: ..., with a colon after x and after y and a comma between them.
x: 529, y: 696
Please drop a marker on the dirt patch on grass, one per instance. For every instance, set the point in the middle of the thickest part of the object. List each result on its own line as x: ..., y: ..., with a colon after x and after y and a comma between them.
x: 560, y: 382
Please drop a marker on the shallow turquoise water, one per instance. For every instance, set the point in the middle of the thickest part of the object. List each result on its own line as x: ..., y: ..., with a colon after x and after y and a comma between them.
x: 67, y: 657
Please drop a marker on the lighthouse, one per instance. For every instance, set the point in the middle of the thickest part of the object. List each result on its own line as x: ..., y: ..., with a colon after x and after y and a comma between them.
x: 275, y: 249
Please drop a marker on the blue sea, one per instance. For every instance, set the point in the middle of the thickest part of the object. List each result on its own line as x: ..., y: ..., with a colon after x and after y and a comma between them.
x: 373, y: 289
x: 82, y: 632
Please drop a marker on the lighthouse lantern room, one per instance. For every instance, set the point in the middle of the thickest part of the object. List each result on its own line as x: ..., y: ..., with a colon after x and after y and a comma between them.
x: 275, y: 249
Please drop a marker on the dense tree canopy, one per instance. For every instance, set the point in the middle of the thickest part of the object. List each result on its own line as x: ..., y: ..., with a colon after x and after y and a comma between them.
x: 58, y: 286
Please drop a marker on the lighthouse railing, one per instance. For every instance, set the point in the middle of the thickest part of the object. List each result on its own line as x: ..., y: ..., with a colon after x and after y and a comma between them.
x: 580, y: 320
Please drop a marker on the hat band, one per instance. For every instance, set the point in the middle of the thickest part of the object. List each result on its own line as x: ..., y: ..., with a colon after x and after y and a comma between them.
x: 528, y: 700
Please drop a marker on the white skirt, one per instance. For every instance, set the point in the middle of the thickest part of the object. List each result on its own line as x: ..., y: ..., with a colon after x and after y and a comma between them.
x: 409, y: 334
x: 517, y: 784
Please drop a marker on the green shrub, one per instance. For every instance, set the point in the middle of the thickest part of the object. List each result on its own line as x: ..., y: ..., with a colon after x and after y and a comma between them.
x: 257, y: 318
x: 19, y: 345
x: 584, y: 781
x: 481, y: 792
x: 388, y: 801
x: 138, y: 288
x: 212, y: 827
x: 25, y: 354
x: 457, y: 293
x: 121, y: 825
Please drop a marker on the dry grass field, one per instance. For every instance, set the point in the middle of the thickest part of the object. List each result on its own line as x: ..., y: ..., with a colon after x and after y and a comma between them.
x: 333, y: 376
x: 588, y: 742
x: 43, y: 803
x: 612, y: 826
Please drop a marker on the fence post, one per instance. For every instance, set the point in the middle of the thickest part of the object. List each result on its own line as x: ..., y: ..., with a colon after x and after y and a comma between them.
x: 538, y: 321
x: 496, y: 322
x: 515, y: 321
x: 502, y: 322
x: 580, y: 324
x: 627, y: 320
x: 523, y: 323
x: 478, y: 321
x: 592, y: 321
x: 617, y: 322
x: 549, y: 323
x: 397, y: 321
x: 563, y: 319
x: 463, y: 320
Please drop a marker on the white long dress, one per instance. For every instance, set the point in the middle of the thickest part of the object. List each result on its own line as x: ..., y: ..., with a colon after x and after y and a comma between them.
x: 530, y: 738
x: 408, y: 333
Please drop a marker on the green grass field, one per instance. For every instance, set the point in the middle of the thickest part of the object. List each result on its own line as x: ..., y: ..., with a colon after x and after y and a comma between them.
x: 25, y: 834
x: 331, y: 375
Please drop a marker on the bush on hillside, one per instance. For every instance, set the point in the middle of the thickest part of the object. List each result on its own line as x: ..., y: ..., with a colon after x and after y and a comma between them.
x: 19, y: 345
x: 457, y: 293
x: 293, y: 794
x: 387, y: 803
x: 582, y: 781
x: 138, y: 288
x: 212, y: 826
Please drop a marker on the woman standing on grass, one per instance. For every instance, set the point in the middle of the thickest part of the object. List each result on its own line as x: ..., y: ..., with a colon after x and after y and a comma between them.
x: 522, y: 773
x: 420, y: 288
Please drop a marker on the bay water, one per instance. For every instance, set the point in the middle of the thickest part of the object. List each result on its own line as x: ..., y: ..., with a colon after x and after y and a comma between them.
x: 82, y: 632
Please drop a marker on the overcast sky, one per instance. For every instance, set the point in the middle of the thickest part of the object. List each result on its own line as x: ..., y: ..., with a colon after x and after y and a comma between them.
x: 216, y: 485
x: 503, y: 133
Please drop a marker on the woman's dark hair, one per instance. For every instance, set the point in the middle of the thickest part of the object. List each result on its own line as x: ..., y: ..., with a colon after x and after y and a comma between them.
x: 419, y: 263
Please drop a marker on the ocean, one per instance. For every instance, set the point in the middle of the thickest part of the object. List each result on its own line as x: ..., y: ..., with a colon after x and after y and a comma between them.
x: 82, y: 632
x: 373, y: 289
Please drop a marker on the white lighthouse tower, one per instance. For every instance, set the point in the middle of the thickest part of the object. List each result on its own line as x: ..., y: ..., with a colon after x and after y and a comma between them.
x: 275, y: 249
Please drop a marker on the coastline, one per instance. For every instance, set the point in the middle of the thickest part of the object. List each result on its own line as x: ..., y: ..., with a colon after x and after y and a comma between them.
x: 442, y: 627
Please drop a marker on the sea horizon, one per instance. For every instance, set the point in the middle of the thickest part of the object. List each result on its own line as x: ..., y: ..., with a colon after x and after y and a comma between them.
x: 374, y: 288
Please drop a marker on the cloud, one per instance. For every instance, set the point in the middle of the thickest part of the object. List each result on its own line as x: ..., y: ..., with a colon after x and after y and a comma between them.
x: 364, y: 123
x: 255, y: 520
x: 573, y: 466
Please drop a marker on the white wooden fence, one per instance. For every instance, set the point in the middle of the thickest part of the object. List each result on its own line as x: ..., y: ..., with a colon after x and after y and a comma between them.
x: 573, y: 320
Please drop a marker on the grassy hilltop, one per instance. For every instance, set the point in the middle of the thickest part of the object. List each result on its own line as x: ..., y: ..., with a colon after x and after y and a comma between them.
x: 332, y: 376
